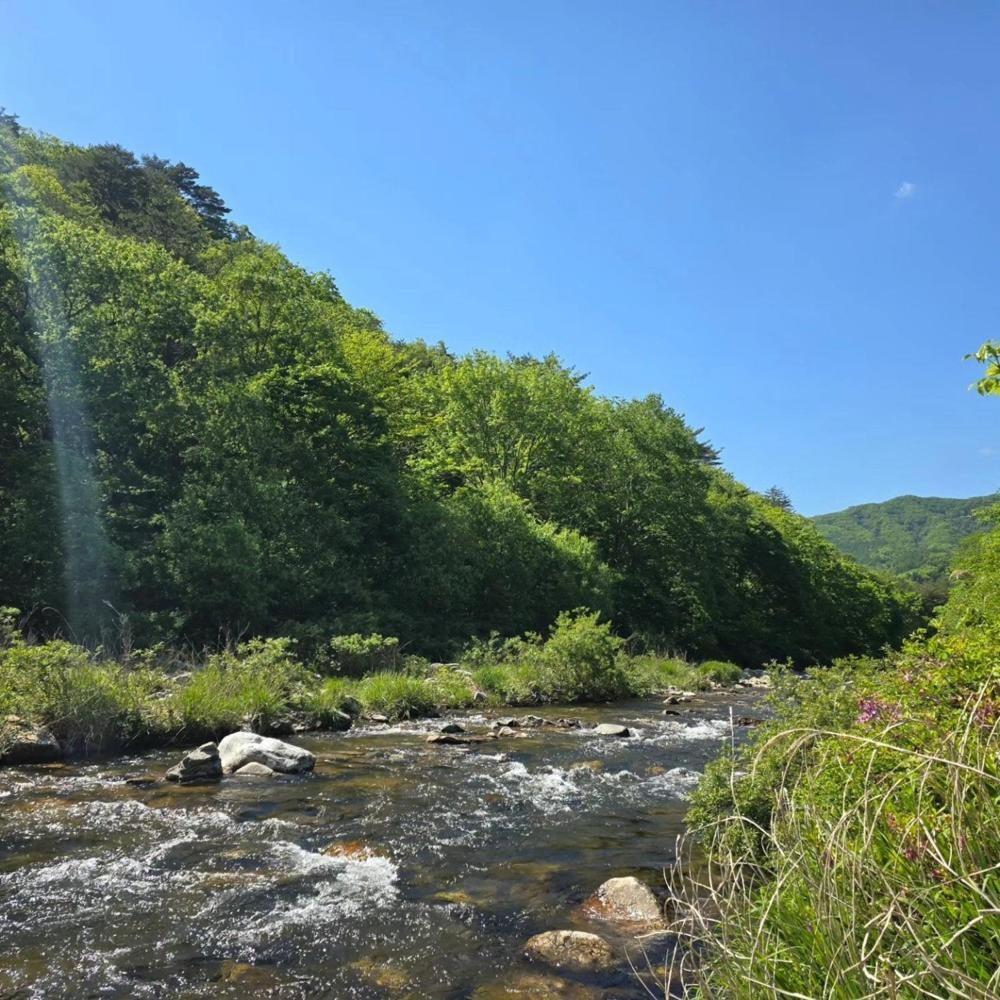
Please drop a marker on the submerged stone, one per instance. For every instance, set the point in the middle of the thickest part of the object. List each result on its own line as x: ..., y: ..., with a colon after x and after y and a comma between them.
x: 577, y: 951
x: 611, y: 729
x: 626, y: 903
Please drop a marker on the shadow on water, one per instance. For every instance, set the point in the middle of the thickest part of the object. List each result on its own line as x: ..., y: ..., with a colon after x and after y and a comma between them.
x: 397, y: 869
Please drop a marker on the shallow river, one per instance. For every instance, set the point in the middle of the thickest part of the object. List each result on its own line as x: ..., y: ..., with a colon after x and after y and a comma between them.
x: 397, y: 869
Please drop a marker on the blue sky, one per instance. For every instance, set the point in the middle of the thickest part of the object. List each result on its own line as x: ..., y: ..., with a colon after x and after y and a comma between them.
x: 783, y: 217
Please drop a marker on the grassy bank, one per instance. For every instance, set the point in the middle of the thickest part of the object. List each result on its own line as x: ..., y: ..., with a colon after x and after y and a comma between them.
x: 93, y: 703
x: 853, y: 845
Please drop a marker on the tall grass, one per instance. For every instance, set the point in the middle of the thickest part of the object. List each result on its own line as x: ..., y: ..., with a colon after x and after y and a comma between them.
x: 93, y: 703
x: 876, y: 873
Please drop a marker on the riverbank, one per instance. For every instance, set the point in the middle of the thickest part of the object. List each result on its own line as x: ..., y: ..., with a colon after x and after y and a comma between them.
x: 396, y: 868
x: 57, y: 699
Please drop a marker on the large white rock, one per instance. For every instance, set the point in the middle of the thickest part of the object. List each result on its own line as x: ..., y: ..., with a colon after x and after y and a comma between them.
x: 238, y: 749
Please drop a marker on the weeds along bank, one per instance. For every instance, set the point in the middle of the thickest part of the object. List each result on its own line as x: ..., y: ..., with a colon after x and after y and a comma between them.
x: 854, y: 845
x: 94, y: 704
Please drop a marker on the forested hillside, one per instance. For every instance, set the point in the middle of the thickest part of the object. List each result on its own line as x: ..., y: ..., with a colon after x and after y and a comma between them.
x: 913, y: 537
x: 196, y: 435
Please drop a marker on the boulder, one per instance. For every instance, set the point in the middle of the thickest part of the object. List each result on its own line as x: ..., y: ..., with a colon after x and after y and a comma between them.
x: 452, y: 727
x: 449, y: 738
x: 611, y: 729
x: 238, y: 749
x: 255, y: 770
x: 564, y: 723
x: 577, y: 951
x: 627, y: 903
x: 23, y: 742
x: 509, y: 722
x: 201, y: 765
x: 140, y: 780
x: 510, y: 733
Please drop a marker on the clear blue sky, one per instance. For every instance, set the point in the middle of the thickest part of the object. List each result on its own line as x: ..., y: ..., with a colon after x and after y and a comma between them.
x: 783, y: 217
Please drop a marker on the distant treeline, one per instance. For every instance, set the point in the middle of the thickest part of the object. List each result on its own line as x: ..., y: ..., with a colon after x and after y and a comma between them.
x: 202, y: 436
x: 915, y: 538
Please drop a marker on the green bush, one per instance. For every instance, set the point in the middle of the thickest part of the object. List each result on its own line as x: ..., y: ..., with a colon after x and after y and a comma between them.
x: 357, y: 654
x: 89, y: 705
x: 719, y: 672
x: 253, y: 686
x: 853, y: 842
x: 650, y: 674
x: 452, y: 688
x: 397, y: 696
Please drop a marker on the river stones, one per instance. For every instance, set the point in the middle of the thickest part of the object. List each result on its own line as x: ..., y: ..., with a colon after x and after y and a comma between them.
x: 238, y: 749
x: 510, y: 733
x: 577, y: 951
x: 199, y: 765
x: 449, y: 739
x: 23, y: 742
x: 452, y: 727
x: 611, y: 729
x: 626, y: 903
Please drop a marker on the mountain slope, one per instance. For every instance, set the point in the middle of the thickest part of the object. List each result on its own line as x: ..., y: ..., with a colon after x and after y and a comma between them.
x: 915, y: 537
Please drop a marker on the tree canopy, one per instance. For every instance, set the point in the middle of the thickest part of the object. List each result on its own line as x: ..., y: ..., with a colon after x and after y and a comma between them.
x: 264, y: 457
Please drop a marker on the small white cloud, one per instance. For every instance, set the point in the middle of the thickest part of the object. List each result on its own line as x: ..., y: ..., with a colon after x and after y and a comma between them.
x: 905, y: 190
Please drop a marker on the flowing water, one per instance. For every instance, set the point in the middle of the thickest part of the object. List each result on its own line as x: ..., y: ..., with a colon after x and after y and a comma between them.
x: 397, y: 869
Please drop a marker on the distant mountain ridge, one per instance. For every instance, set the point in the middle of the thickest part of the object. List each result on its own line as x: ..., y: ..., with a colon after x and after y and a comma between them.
x: 914, y: 537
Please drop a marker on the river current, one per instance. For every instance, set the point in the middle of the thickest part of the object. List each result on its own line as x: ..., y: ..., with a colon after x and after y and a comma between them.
x: 397, y: 869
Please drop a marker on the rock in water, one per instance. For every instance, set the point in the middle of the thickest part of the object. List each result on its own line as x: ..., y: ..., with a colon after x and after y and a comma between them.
x: 574, y: 950
x: 199, y: 765
x: 627, y: 903
x: 238, y: 749
x: 451, y: 739
x: 255, y: 770
x: 452, y: 727
x: 611, y: 729
x: 22, y: 742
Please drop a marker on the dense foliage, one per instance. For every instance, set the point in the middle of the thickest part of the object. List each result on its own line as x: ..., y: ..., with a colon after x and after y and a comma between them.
x: 915, y: 538
x: 198, y: 436
x: 92, y: 702
x: 853, y: 844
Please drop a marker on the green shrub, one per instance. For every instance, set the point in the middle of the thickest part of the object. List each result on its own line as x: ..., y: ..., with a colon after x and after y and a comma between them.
x: 356, y: 655
x: 334, y: 696
x: 451, y: 688
x: 493, y: 680
x: 89, y: 705
x: 719, y: 672
x: 650, y: 674
x: 253, y: 686
x: 852, y: 844
x: 581, y: 660
x: 397, y: 696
